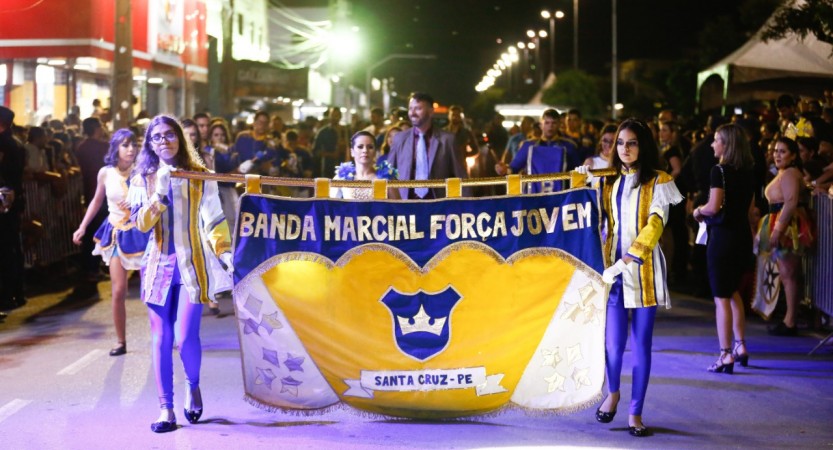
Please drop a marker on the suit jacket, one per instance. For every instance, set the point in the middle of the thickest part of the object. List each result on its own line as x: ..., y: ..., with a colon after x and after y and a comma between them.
x: 442, y: 159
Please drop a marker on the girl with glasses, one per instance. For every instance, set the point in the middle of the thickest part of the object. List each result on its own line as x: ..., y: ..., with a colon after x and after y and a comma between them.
x: 189, y: 242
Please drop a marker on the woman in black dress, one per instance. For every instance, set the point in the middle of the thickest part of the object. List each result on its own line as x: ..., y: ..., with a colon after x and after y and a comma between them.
x: 729, y: 250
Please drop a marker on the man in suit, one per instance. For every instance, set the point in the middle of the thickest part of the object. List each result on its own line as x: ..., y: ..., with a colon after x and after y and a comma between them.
x: 424, y: 152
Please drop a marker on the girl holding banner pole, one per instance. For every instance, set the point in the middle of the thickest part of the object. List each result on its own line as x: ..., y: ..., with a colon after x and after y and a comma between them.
x: 182, y: 263
x: 635, y: 206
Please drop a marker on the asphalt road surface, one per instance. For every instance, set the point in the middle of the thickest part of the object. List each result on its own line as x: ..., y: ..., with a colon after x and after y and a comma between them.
x: 59, y: 389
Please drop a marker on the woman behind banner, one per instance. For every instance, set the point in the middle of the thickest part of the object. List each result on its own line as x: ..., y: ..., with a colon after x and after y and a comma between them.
x: 181, y: 273
x: 786, y: 231
x: 363, y: 167
x: 729, y: 250
x: 118, y: 241
x: 635, y: 206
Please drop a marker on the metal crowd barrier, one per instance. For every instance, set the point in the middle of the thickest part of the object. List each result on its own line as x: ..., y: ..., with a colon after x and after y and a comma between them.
x: 821, y: 264
x: 49, y: 220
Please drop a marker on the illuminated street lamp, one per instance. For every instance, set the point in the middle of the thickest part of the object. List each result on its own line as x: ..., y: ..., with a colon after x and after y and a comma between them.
x: 551, y: 17
x: 536, y: 39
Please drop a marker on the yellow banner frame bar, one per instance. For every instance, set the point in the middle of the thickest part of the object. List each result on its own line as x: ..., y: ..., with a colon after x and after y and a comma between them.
x: 453, y: 186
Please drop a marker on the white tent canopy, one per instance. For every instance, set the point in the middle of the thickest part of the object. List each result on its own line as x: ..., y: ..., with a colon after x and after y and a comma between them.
x: 752, y: 70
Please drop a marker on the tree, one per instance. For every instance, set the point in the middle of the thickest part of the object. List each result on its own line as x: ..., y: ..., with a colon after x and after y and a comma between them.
x: 576, y: 89
x: 802, y: 17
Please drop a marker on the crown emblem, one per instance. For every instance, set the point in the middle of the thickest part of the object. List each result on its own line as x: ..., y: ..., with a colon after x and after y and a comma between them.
x: 421, y: 322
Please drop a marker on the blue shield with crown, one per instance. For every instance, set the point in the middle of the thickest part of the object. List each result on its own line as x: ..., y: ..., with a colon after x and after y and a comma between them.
x: 421, y: 321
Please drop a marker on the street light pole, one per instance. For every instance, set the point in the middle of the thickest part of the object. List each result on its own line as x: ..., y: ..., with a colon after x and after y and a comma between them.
x: 370, y: 69
x: 575, y: 34
x: 613, y: 69
x: 552, y: 16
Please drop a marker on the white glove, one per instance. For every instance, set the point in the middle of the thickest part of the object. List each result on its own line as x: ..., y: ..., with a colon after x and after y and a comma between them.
x: 585, y: 170
x: 609, y: 275
x: 246, y: 166
x: 226, y: 259
x: 163, y: 179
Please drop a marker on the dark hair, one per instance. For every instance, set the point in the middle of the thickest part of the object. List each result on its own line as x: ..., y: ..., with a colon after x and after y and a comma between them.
x: 119, y: 136
x: 360, y: 134
x: 261, y: 112
x: 785, y: 100
x: 35, y: 133
x: 421, y: 97
x: 609, y: 128
x: 385, y: 146
x: 792, y: 146
x: 188, y: 123
x: 201, y: 115
x: 737, y: 151
x: 810, y: 143
x: 186, y: 156
x: 574, y: 112
x: 90, y: 124
x: 377, y: 110
x: 291, y: 135
x: 551, y: 113
x: 647, y: 162
x: 221, y: 124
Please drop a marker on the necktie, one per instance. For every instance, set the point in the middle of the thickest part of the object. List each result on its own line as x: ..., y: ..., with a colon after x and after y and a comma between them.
x: 421, y: 172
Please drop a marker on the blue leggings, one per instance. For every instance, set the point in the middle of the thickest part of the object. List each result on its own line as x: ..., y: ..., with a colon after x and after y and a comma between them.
x: 616, y: 336
x: 178, y: 319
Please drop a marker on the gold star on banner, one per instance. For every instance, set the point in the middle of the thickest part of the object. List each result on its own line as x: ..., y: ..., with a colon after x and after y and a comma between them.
x: 584, y: 310
x: 272, y: 320
x: 586, y: 293
x: 580, y: 377
x: 551, y: 357
x: 574, y: 354
x: 556, y: 383
x: 592, y: 314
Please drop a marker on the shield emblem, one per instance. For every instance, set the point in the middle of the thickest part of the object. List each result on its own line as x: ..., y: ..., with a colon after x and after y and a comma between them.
x: 421, y: 320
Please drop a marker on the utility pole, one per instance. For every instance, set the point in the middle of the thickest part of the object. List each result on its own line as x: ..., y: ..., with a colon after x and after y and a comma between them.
x: 614, y: 70
x: 121, y: 98
x: 228, y: 76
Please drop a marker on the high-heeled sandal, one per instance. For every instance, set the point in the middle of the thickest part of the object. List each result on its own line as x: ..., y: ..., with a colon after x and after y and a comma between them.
x: 742, y: 358
x: 722, y: 367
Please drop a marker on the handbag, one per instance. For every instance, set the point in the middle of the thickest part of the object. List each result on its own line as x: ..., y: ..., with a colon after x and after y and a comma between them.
x: 718, y: 218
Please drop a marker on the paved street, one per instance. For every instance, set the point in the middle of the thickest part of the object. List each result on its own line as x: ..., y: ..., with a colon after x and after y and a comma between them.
x: 60, y: 390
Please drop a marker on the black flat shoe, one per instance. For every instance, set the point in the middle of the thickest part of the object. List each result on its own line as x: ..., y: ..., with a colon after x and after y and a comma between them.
x: 783, y: 330
x: 118, y: 351
x: 163, y: 426
x: 214, y: 310
x: 639, y: 431
x: 193, y: 400
x: 193, y: 415
x: 605, y: 417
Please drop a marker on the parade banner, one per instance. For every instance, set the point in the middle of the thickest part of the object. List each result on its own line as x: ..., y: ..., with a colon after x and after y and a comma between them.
x: 433, y: 309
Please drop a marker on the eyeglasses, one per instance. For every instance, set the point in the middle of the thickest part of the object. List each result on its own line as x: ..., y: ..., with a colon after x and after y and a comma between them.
x: 169, y: 136
x: 629, y: 144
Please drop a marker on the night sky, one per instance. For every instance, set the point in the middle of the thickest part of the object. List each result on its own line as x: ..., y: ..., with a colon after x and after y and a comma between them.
x: 463, y: 33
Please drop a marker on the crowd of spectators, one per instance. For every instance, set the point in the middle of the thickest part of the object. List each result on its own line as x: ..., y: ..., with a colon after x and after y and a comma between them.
x: 58, y: 154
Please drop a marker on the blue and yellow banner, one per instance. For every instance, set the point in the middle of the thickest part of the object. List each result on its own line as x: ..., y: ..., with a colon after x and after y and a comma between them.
x: 436, y: 309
